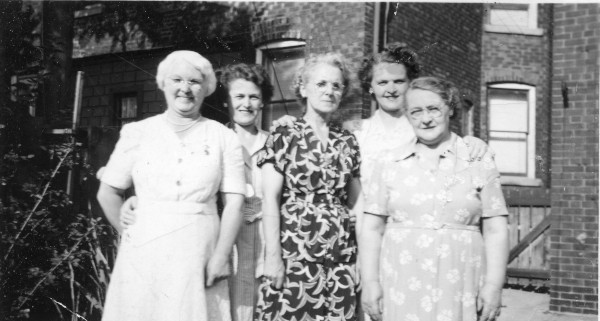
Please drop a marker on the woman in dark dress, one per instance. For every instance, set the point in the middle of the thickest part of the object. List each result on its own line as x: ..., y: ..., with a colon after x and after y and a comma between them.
x: 310, y: 184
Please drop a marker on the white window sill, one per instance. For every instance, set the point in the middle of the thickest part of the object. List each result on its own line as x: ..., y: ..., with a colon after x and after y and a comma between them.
x: 514, y: 30
x: 520, y: 181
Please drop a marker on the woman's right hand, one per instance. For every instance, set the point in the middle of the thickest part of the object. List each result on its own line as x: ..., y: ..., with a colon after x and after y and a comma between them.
x: 127, y: 212
x: 285, y: 121
x: 371, y: 300
x: 274, y: 271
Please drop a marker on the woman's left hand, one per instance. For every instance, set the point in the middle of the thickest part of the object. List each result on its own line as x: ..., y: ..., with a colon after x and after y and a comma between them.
x: 216, y: 269
x: 477, y: 148
x: 488, y: 302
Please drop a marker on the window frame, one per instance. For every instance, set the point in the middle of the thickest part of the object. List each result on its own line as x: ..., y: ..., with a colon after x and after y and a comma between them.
x: 530, y: 177
x: 116, y: 93
x: 119, y: 111
x: 260, y: 59
x: 532, y: 28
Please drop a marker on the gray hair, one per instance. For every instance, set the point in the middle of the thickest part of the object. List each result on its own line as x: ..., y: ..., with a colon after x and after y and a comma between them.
x: 331, y: 58
x: 193, y: 58
x: 445, y: 89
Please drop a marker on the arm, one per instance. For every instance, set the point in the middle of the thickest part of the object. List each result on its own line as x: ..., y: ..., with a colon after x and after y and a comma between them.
x: 369, y: 244
x: 231, y: 220
x: 272, y: 188
x: 111, y: 200
x: 477, y: 148
x: 356, y: 203
x: 495, y: 236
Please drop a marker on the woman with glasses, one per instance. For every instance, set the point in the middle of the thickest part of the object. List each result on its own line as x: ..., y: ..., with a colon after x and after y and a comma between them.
x: 386, y: 77
x: 173, y: 261
x: 434, y: 243
x: 310, y: 173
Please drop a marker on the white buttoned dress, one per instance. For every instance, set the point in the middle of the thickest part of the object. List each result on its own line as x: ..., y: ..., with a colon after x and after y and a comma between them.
x: 159, y: 273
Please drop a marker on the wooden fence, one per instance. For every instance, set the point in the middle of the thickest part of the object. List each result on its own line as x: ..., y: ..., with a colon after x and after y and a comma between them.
x: 529, y: 224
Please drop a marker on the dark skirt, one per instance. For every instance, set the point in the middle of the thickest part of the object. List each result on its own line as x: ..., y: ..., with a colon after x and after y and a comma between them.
x: 311, y: 291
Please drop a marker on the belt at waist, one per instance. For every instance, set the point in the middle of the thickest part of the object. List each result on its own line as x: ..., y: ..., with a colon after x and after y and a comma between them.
x: 433, y: 226
x: 177, y: 207
x: 313, y: 197
x: 155, y: 219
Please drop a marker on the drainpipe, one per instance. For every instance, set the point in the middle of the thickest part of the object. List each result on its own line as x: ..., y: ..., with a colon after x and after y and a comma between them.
x: 377, y: 28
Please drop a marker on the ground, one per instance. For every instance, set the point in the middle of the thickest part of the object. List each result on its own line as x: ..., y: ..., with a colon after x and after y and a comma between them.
x: 530, y: 306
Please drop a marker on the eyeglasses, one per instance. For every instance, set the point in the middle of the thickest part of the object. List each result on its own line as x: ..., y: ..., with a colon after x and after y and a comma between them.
x: 418, y: 113
x: 180, y: 83
x: 335, y: 87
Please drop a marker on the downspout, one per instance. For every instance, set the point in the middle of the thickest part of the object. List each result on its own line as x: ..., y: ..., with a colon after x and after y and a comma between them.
x: 377, y: 27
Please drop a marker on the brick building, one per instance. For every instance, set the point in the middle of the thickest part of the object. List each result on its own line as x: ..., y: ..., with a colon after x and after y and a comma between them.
x: 529, y: 78
x: 515, y: 120
x: 574, y: 162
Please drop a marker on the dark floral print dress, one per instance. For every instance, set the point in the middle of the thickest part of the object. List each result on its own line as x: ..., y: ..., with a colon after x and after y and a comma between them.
x: 317, y: 237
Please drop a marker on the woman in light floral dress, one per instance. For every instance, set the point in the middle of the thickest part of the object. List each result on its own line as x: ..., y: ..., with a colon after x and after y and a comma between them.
x: 246, y: 89
x: 434, y: 243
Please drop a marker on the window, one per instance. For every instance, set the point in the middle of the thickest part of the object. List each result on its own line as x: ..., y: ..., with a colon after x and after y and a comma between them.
x: 519, y: 18
x: 512, y: 131
x: 126, y: 108
x: 281, y: 60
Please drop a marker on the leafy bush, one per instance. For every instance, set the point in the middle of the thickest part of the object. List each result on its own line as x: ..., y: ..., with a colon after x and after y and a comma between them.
x: 56, y: 254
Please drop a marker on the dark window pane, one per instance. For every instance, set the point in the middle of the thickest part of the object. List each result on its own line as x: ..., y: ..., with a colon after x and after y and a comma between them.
x: 282, y: 65
x: 127, y: 108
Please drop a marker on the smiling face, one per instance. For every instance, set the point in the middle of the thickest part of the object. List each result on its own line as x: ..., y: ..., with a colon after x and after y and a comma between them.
x: 245, y: 101
x: 323, y: 89
x: 389, y: 84
x: 184, y: 89
x: 429, y: 115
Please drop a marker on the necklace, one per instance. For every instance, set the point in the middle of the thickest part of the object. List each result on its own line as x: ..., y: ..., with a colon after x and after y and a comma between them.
x: 187, y: 126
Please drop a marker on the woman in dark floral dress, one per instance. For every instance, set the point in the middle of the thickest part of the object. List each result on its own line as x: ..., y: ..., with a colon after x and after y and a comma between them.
x: 310, y: 182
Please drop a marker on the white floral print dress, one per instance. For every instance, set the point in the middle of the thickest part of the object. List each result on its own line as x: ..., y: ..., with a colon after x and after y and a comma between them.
x: 432, y: 260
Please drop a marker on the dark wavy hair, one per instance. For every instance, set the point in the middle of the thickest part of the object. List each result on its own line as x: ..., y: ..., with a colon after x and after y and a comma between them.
x: 395, y: 53
x: 445, y: 89
x: 250, y: 72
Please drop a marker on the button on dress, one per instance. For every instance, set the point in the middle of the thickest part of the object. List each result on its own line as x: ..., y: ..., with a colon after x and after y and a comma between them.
x: 432, y: 261
x: 317, y: 236
x: 159, y: 273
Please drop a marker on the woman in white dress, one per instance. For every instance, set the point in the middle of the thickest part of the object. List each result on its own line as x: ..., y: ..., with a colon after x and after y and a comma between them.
x: 173, y: 262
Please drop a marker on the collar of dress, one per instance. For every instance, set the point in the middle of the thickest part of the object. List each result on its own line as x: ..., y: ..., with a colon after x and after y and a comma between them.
x: 456, y: 147
x: 378, y: 125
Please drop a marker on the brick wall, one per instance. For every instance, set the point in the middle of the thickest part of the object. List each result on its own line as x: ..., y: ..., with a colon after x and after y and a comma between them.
x: 109, y: 75
x: 574, y: 231
x: 448, y: 40
x: 345, y: 27
x: 523, y: 59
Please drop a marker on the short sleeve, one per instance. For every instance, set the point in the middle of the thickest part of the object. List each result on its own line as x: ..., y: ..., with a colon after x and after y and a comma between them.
x: 275, y: 149
x: 377, y: 192
x: 492, y: 198
x: 233, y: 177
x: 117, y: 172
